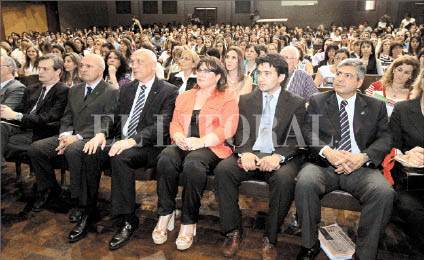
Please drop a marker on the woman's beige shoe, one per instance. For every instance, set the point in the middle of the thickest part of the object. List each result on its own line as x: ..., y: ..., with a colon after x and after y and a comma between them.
x: 165, y: 224
x: 185, y: 238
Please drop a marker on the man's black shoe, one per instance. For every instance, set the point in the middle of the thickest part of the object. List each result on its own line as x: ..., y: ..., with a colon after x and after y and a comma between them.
x: 309, y: 253
x: 42, y: 198
x: 80, y: 230
x: 123, y: 235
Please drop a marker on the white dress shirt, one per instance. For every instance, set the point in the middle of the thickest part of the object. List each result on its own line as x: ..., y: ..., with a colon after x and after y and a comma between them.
x: 350, y: 109
x: 148, y: 85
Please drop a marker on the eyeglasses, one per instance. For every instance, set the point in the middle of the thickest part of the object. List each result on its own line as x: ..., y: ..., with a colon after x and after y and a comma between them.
x: 203, y: 71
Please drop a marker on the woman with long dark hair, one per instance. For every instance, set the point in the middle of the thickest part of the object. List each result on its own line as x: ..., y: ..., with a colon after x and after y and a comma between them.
x: 71, y: 65
x: 117, y: 71
x: 367, y: 55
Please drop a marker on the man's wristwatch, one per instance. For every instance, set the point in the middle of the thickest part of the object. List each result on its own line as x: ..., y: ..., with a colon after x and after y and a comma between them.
x: 282, y: 158
x: 19, y: 116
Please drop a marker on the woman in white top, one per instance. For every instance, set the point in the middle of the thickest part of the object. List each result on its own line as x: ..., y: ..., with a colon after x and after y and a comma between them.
x: 236, y: 79
x: 326, y: 73
x: 186, y: 78
x: 31, y: 62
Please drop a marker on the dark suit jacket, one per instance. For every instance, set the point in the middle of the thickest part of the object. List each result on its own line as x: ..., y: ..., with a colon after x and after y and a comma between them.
x: 290, y: 111
x: 370, y: 124
x: 177, y: 81
x: 11, y: 94
x: 45, y: 120
x: 80, y: 116
x: 159, y: 102
x: 407, y: 125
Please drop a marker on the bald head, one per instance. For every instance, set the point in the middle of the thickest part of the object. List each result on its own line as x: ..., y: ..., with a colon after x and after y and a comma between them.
x: 148, y: 53
x: 143, y: 65
x: 97, y: 59
x: 291, y: 54
x: 92, y: 67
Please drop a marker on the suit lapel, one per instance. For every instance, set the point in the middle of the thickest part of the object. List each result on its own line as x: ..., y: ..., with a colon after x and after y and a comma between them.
x: 415, y: 116
x: 3, y: 89
x: 47, y: 97
x: 280, y: 116
x: 257, y: 112
x: 360, y: 115
x: 98, y: 90
x: 332, y: 111
x: 132, y: 90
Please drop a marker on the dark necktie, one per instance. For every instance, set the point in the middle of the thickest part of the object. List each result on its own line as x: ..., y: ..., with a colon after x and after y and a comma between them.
x: 40, y: 99
x: 138, y: 108
x: 89, y: 90
x: 345, y: 144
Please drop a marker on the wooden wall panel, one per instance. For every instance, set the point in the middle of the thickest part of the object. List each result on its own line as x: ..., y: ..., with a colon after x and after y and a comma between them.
x: 24, y: 18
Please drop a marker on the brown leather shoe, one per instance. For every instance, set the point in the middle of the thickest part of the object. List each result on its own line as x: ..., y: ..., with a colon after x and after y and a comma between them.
x: 232, y: 243
x: 269, y: 251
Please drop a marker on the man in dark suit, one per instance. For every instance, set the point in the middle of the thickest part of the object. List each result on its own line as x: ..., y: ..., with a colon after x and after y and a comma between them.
x: 85, y: 101
x: 42, y: 107
x: 266, y: 149
x: 146, y: 106
x: 348, y: 137
x: 11, y: 93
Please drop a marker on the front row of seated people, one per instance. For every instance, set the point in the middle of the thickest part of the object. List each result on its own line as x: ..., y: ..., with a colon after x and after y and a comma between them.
x: 204, y: 131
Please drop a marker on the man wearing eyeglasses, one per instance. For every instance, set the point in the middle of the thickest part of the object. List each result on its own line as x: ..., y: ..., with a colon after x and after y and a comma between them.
x: 94, y: 97
x: 348, y: 137
x: 42, y: 107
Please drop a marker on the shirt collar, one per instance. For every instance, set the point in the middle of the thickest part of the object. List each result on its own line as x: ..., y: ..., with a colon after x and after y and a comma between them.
x: 93, y: 86
x: 350, y: 100
x: 148, y: 84
x: 275, y: 94
x: 4, y: 83
x: 181, y: 75
x: 48, y: 87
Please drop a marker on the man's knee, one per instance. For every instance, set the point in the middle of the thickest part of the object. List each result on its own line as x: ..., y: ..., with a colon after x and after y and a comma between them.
x: 75, y: 148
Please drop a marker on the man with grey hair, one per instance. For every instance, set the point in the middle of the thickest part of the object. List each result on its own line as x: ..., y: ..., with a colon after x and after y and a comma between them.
x: 11, y: 93
x: 86, y: 101
x: 140, y: 132
x: 41, y: 108
x: 299, y: 82
x: 348, y: 136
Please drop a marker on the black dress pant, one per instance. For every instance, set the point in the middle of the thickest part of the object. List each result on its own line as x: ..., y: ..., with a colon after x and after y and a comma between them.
x: 7, y: 131
x: 190, y: 168
x: 123, y: 176
x: 367, y: 185
x: 409, y: 206
x: 228, y: 177
x: 42, y: 154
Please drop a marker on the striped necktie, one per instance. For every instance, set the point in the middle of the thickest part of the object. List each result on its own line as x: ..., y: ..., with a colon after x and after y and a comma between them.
x: 138, y: 108
x: 344, y: 144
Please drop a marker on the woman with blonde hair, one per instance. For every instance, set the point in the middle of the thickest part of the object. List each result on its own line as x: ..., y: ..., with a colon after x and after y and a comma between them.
x: 186, y: 78
x: 237, y: 79
x: 396, y: 83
